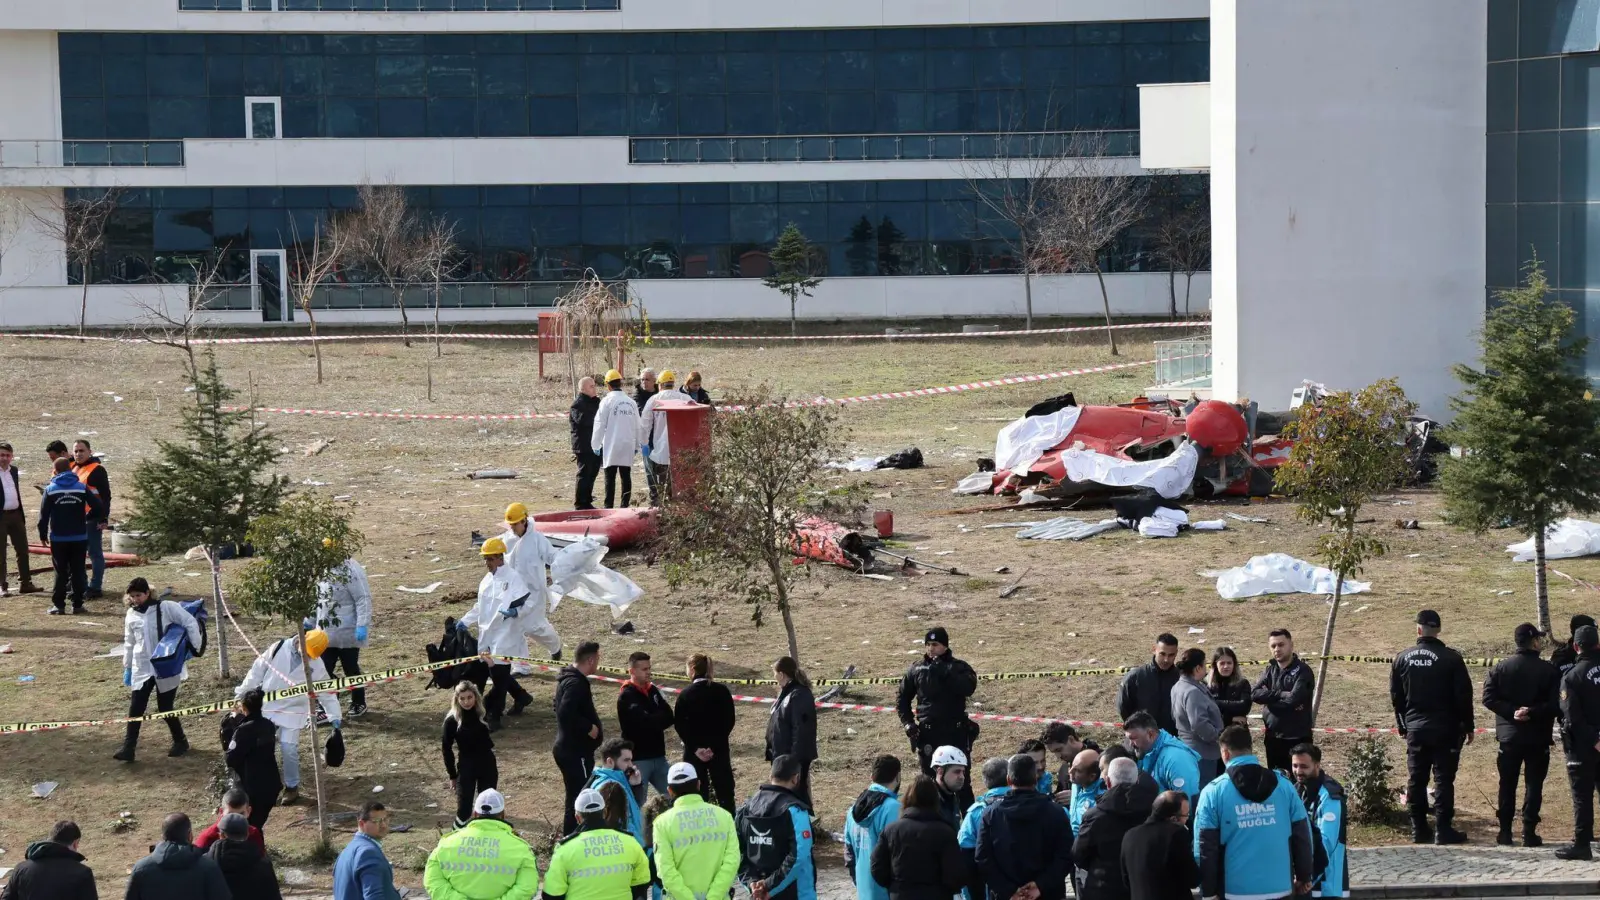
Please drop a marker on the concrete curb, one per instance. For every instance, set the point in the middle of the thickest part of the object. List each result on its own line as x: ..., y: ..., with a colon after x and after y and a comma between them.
x: 1590, y: 887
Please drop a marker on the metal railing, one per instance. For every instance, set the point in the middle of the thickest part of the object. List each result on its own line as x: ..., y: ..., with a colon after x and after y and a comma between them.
x: 22, y: 154
x: 452, y: 295
x: 1184, y: 363
x: 872, y: 147
x: 398, y: 5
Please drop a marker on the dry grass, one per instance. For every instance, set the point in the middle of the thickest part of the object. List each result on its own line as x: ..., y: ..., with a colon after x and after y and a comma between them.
x: 1082, y: 604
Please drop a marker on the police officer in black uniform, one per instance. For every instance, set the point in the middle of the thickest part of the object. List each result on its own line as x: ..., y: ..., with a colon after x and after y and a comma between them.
x: 1432, y: 697
x: 1524, y: 693
x: 1580, y: 707
x: 1566, y: 653
x: 940, y: 685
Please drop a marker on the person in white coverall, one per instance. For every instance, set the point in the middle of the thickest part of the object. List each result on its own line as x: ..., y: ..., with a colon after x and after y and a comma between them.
x: 282, y: 666
x: 616, y: 437
x: 140, y: 634
x: 653, y: 434
x: 502, y: 598
x: 344, y: 613
x: 530, y: 553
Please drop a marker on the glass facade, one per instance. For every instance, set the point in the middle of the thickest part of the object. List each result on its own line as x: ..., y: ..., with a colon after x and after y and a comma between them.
x: 651, y: 84
x: 551, y: 233
x: 1543, y: 178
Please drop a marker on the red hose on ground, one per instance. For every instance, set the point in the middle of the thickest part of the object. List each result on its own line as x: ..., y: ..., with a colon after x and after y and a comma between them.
x: 112, y: 559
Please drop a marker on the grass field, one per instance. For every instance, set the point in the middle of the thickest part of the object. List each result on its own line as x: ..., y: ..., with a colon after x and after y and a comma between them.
x: 1094, y: 603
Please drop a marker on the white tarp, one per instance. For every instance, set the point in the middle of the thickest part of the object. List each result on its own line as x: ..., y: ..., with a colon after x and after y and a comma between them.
x: 976, y: 483
x: 1280, y: 573
x: 1566, y: 539
x: 576, y: 572
x: 1169, y: 476
x: 1021, y: 443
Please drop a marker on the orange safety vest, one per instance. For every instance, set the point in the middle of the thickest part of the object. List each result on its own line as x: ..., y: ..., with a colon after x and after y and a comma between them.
x: 83, y: 472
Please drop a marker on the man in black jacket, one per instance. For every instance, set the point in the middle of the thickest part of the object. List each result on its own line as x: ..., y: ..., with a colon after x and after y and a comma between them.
x: 1023, y: 840
x: 937, y: 686
x: 1524, y: 693
x: 13, y: 523
x: 1098, y: 847
x: 1158, y: 856
x: 1149, y: 687
x: 642, y: 392
x: 1567, y: 652
x: 578, y: 731
x: 1284, y: 692
x: 580, y: 418
x: 775, y: 838
x: 645, y: 715
x: 175, y: 868
x: 1432, y: 697
x: 53, y: 869
x: 1580, y: 710
x: 704, y: 719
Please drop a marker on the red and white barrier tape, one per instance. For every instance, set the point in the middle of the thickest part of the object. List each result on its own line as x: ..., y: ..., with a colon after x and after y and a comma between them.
x: 655, y: 338
x: 820, y: 401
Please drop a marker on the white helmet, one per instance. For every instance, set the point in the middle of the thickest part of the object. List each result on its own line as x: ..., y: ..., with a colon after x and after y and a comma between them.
x: 948, y: 756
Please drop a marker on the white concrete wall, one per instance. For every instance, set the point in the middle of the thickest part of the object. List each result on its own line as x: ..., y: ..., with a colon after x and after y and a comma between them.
x: 636, y: 15
x: 30, y: 83
x: 1175, y: 126
x: 31, y: 252
x: 472, y: 161
x: 1348, y: 163
x: 109, y: 304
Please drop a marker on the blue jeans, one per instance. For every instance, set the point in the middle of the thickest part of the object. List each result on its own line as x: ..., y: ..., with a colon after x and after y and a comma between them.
x: 289, y: 748
x: 97, y: 556
x: 652, y: 773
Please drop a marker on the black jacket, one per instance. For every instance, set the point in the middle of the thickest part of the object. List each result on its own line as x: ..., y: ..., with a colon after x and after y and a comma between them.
x: 1098, y: 848
x: 699, y: 395
x: 917, y: 858
x: 174, y: 871
x: 1149, y: 689
x: 704, y: 717
x: 1564, y: 656
x: 247, y: 870
x: 252, y: 757
x: 1523, y: 679
x: 99, y: 484
x: 940, y: 687
x: 792, y: 726
x: 471, y: 735
x: 1431, y: 691
x: 1024, y: 838
x: 580, y: 418
x: 1285, y: 695
x: 1158, y: 861
x: 769, y: 846
x: 575, y: 713
x: 645, y: 718
x: 1233, y: 698
x: 51, y: 871
x: 1580, y: 706
x: 642, y: 396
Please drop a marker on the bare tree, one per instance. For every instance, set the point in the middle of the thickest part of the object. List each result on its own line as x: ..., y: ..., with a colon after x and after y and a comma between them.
x: 1014, y: 197
x: 1088, y: 209
x: 183, y: 331
x: 434, y: 246
x: 384, y: 232
x: 79, y: 222
x: 314, y: 261
x: 1183, y: 244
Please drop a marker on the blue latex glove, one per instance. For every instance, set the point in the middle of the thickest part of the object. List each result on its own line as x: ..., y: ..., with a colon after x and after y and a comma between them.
x: 337, y: 725
x: 510, y: 613
x: 646, y: 449
x: 361, y: 632
x: 127, y: 678
x: 460, y: 625
x: 309, y: 624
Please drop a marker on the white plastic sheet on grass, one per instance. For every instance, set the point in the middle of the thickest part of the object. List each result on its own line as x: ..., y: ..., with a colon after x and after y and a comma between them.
x: 1566, y: 539
x: 1280, y: 573
x: 576, y: 572
x: 1021, y: 443
x: 1169, y: 476
x: 976, y: 483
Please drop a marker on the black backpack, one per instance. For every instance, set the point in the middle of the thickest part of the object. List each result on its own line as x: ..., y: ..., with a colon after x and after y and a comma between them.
x: 456, y: 644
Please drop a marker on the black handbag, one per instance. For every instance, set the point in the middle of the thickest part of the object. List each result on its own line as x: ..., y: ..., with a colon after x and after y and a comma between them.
x: 333, y: 753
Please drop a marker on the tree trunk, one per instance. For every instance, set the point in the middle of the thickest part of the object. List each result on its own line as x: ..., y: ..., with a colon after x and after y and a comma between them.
x: 782, y: 589
x: 1105, y: 300
x: 438, y: 350
x: 793, y: 299
x: 222, y: 611
x: 83, y: 309
x: 1027, y: 298
x: 1172, y: 292
x: 1327, y: 646
x: 1541, y: 584
x: 1188, y: 285
x: 405, y: 323
x: 316, y: 742
x: 316, y: 346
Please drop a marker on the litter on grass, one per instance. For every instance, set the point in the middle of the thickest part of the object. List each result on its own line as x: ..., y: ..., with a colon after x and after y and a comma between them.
x: 1066, y: 528
x: 1279, y: 573
x: 1566, y: 539
x: 420, y: 590
x: 45, y: 788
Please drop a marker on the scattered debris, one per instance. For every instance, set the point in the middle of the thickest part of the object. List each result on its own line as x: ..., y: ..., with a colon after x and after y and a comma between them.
x: 1194, y: 630
x: 24, y: 679
x: 296, y: 877
x: 1407, y: 524
x: 1154, y: 527
x: 309, y: 482
x: 1566, y: 539
x: 977, y: 483
x: 5, y: 648
x: 377, y: 788
x: 1209, y: 525
x: 44, y: 789
x: 1258, y: 520
x: 624, y: 628
x: 1066, y: 528
x: 1014, y: 586
x: 317, y: 446
x: 124, y: 822
x: 420, y: 590
x: 907, y: 562
x: 873, y: 576
x: 1280, y: 573
x: 999, y: 571
x: 1503, y: 593
x: 484, y: 474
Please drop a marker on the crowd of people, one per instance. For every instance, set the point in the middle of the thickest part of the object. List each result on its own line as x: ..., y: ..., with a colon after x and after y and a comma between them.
x: 73, y: 516
x: 607, y: 432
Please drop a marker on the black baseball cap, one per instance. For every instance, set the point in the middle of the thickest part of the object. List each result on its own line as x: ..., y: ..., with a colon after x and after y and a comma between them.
x: 1526, y: 632
x: 1428, y: 619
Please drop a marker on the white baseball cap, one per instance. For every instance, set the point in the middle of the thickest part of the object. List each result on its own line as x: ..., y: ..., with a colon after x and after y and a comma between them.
x: 589, y: 801
x: 489, y: 803
x: 681, y: 773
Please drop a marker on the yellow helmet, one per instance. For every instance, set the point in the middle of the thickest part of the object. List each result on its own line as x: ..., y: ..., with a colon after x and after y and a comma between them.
x: 667, y: 376
x: 493, y: 547
x: 316, y: 643
x: 515, y: 513
x: 613, y: 375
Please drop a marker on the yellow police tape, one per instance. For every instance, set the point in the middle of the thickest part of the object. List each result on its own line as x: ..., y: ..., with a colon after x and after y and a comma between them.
x: 336, y: 685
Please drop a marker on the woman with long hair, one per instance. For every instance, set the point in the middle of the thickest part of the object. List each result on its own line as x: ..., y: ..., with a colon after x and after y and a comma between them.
x: 616, y: 812
x: 792, y: 725
x: 1229, y: 687
x: 917, y: 857
x: 468, y: 749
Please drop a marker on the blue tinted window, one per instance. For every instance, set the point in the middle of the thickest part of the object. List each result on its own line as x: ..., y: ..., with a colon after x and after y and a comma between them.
x: 177, y: 76
x: 652, y: 73
x: 1580, y: 236
x: 403, y: 117
x: 226, y: 115
x: 261, y: 76
x: 702, y: 114
x: 1580, y: 90
x: 1502, y: 169
x: 653, y: 114
x: 176, y: 117
x: 602, y: 73
x: 950, y: 69
x: 1503, y: 259
x: 452, y: 76
x: 552, y: 75
x: 998, y: 68
x: 452, y: 117
x: 1580, y: 165
x: 803, y: 114
x: 403, y: 76
x: 700, y: 73
x: 1502, y: 29
x: 552, y: 116
x: 602, y: 114
x: 1502, y: 98
x: 1538, y: 94
x: 752, y: 114
x: 350, y: 117
x: 850, y: 113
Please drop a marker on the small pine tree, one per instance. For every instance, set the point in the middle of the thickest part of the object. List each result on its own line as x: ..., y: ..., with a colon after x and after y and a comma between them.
x: 791, y: 270
x: 298, y: 548
x: 1524, y: 418
x: 205, y: 488
x: 1347, y: 448
x: 1366, y: 785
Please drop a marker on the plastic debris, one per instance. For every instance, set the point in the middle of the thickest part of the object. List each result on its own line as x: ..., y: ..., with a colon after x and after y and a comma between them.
x: 1066, y: 528
x: 1253, y: 519
x: 44, y: 789
x: 492, y: 473
x: 1154, y: 527
x: 1566, y: 539
x: 976, y: 483
x: 24, y: 679
x: 1209, y: 525
x: 1280, y: 573
x: 420, y: 590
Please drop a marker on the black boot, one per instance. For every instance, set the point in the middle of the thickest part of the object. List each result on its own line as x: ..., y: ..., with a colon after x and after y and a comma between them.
x: 129, y: 743
x: 1530, y: 836
x: 1447, y: 834
x: 1421, y: 832
x: 1504, y: 837
x: 1575, y: 851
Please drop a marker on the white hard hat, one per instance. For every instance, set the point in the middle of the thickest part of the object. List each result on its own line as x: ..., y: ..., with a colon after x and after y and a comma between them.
x: 948, y: 756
